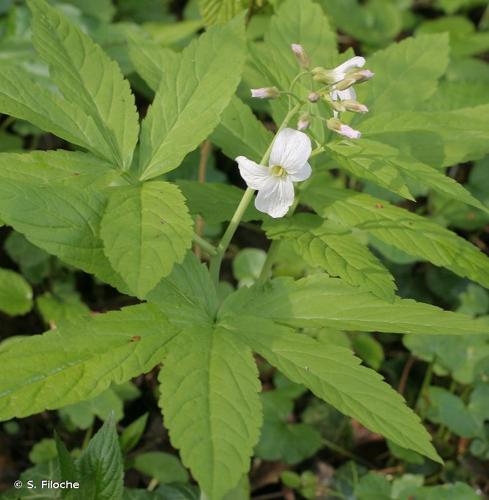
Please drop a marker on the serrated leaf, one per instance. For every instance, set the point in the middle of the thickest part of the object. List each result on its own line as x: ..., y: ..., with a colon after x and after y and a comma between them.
x: 52, y: 198
x: 192, y: 96
x: 219, y: 11
x: 319, y: 301
x: 334, y: 374
x: 437, y: 138
x: 406, y: 73
x: 241, y: 133
x: 22, y: 97
x: 335, y: 250
x: 211, y: 375
x: 85, y: 75
x: 15, y: 293
x: 79, y: 360
x: 146, y: 229
x: 406, y: 231
x: 100, y: 466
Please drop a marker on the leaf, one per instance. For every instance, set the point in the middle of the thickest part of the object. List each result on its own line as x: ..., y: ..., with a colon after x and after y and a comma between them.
x: 45, y: 190
x: 219, y: 11
x: 15, y: 293
x: 146, y: 229
x: 192, y: 96
x: 406, y: 73
x: 210, y: 374
x: 22, y: 97
x: 100, y: 466
x: 131, y: 435
x: 319, y: 301
x: 406, y: 231
x: 85, y: 75
x: 215, y: 202
x: 335, y: 250
x: 164, y: 467
x: 334, y: 374
x: 437, y: 138
x: 79, y: 360
x: 241, y: 133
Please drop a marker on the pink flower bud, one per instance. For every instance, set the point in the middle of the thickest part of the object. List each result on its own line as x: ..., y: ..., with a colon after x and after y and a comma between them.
x: 304, y: 122
x: 265, y: 93
x: 340, y: 128
x: 355, y: 106
x: 301, y: 55
x: 363, y: 75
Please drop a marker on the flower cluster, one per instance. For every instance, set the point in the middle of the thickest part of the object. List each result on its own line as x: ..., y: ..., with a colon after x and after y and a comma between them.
x: 291, y: 149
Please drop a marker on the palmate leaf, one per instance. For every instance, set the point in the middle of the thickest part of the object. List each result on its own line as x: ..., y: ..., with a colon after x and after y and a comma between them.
x: 146, y: 229
x: 80, y: 359
x: 85, y: 75
x: 191, y: 96
x: 400, y: 228
x: 210, y: 403
x: 219, y: 11
x: 320, y: 301
x: 53, y: 199
x: 335, y: 250
x: 334, y: 374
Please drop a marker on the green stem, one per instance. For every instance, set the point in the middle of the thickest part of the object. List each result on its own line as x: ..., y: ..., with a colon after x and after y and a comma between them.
x: 216, y: 261
x: 269, y: 261
x: 426, y: 382
x: 205, y: 245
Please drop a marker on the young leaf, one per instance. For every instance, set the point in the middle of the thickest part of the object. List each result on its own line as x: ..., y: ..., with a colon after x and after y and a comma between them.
x: 406, y: 73
x: 22, y: 97
x: 334, y: 374
x: 66, y: 463
x: 319, y: 301
x: 211, y: 407
x: 100, y: 466
x: 191, y: 97
x: 85, y: 75
x: 164, y: 467
x: 400, y: 228
x: 146, y: 229
x: 335, y: 250
x: 80, y: 359
x: 15, y: 293
x: 132, y: 433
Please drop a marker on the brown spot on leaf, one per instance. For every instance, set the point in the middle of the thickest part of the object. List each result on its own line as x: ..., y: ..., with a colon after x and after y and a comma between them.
x: 135, y: 338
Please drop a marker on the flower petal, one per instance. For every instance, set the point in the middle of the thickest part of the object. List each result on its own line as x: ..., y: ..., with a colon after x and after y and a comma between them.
x: 344, y: 95
x: 291, y: 149
x: 254, y: 175
x: 276, y: 197
x: 353, y: 63
x: 302, y: 173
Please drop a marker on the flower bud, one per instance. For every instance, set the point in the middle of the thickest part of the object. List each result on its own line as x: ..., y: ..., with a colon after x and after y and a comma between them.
x: 354, y: 106
x: 345, y: 84
x: 340, y: 128
x: 361, y: 76
x: 324, y: 75
x: 300, y: 54
x: 304, y: 122
x: 265, y: 93
x: 313, y: 97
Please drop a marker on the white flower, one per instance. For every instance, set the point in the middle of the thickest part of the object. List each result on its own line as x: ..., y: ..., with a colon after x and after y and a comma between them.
x: 344, y: 95
x: 287, y: 164
x: 340, y: 72
x: 265, y: 93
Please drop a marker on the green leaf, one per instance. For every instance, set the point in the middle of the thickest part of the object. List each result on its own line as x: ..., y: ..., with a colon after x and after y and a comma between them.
x: 406, y: 73
x: 22, y: 97
x: 319, y: 301
x: 100, y: 466
x: 437, y: 138
x: 247, y: 265
x: 85, y: 75
x: 79, y: 360
x: 43, y: 451
x: 15, y: 293
x: 212, y: 375
x: 164, y: 467
x: 132, y: 433
x: 406, y: 231
x: 44, y: 190
x: 334, y: 374
x: 146, y: 229
x: 191, y: 97
x: 215, y: 202
x: 219, y: 11
x: 241, y: 133
x: 334, y: 249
